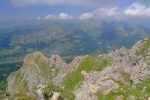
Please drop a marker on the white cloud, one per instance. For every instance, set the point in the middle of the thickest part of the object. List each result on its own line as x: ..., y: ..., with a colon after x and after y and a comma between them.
x: 137, y: 10
x: 132, y: 11
x: 102, y: 13
x: 86, y: 16
x: 63, y: 16
x: 50, y: 17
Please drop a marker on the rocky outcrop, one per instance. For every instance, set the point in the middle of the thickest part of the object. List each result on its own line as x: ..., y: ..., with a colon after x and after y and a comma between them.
x: 64, y: 70
x: 128, y: 66
x: 37, y: 71
x: 55, y: 96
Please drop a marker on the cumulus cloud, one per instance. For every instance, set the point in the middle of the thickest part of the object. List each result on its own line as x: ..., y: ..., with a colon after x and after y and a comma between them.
x: 24, y: 3
x: 49, y: 17
x: 100, y: 13
x: 86, y: 16
x: 137, y: 10
x: 63, y: 16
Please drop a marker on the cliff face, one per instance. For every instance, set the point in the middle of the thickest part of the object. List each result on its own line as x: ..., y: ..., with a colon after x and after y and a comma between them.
x: 85, y: 78
x: 37, y: 70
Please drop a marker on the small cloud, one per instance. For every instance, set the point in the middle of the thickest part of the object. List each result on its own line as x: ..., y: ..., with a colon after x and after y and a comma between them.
x: 101, y: 13
x: 86, y: 16
x: 48, y: 17
x: 64, y: 16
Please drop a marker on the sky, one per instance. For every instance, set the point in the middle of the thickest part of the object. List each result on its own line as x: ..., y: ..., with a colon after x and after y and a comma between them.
x: 122, y: 10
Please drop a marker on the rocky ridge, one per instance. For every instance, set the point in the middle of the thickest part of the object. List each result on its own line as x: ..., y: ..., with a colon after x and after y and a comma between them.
x: 126, y: 67
x: 104, y: 74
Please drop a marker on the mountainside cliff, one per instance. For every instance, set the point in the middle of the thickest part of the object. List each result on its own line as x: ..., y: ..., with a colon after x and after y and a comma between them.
x: 122, y: 74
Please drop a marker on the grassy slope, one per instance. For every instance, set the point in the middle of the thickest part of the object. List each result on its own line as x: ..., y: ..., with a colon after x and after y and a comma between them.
x: 75, y: 78
x: 146, y: 46
x: 127, y: 90
x: 49, y: 89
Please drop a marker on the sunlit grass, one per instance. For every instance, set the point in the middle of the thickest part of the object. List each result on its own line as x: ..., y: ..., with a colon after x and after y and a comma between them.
x: 75, y: 78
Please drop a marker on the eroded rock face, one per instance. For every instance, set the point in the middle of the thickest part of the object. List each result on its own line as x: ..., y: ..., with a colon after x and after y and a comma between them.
x: 37, y: 71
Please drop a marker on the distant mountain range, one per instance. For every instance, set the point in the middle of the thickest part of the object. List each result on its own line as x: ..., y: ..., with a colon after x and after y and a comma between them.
x: 67, y: 38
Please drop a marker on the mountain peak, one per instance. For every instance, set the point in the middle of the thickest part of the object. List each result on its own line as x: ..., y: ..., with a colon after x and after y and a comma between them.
x: 86, y: 77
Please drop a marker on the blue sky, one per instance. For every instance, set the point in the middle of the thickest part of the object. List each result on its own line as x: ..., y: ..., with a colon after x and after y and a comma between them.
x: 77, y: 9
x: 8, y: 10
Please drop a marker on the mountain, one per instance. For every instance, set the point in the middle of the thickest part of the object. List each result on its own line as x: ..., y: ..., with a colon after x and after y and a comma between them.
x: 67, y: 38
x: 118, y: 75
